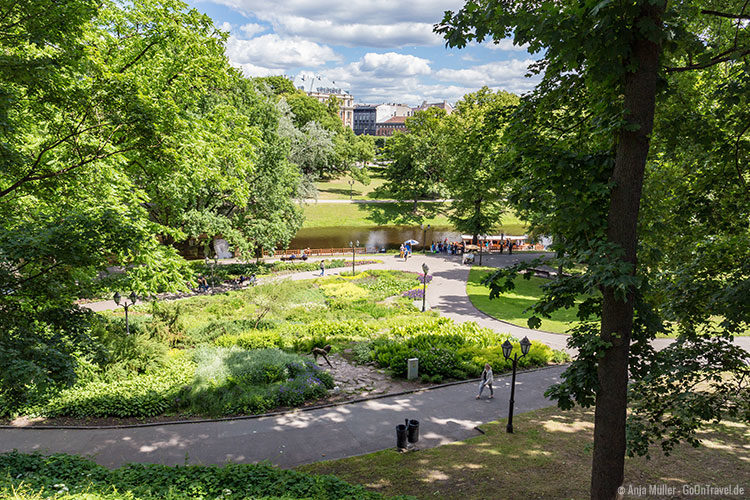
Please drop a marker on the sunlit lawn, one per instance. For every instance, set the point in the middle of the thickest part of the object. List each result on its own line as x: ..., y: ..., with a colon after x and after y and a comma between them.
x: 383, y: 214
x: 339, y: 189
x: 548, y: 456
x: 510, y: 306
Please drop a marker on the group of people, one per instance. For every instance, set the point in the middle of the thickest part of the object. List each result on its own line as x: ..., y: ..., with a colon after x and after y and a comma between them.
x: 446, y: 247
x: 404, y: 251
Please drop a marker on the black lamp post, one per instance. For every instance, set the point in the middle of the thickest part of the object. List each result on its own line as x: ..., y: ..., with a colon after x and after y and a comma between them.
x: 425, y: 270
x: 351, y: 187
x: 212, y: 265
x: 424, y: 237
x: 133, y: 299
x: 507, y: 349
x: 353, y: 246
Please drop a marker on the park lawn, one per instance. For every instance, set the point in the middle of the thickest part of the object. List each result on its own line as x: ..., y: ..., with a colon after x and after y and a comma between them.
x: 386, y: 214
x: 364, y: 215
x: 547, y: 456
x: 510, y: 306
x: 338, y: 189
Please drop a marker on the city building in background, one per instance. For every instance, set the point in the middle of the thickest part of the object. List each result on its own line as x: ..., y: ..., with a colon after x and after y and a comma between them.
x: 442, y: 105
x: 365, y: 118
x: 388, y: 127
x: 387, y: 111
x: 323, y: 89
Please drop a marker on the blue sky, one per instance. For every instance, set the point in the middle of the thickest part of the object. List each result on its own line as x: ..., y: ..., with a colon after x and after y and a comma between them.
x: 379, y: 50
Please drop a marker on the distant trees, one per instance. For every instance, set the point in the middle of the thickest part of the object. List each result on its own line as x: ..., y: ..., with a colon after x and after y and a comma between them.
x: 454, y: 156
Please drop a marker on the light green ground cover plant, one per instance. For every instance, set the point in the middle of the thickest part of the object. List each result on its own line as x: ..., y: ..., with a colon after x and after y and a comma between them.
x: 510, y: 306
x: 68, y: 477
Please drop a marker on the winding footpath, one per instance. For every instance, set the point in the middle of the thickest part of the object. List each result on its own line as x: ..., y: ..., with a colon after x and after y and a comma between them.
x: 446, y: 414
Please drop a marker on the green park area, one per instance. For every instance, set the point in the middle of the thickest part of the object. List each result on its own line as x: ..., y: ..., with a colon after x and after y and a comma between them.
x: 247, y: 352
x: 511, y: 306
x: 344, y: 186
x: 145, y: 174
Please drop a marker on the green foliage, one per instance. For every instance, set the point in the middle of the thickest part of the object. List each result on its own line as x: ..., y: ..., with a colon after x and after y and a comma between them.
x: 450, y: 351
x: 236, y: 381
x: 70, y: 477
x: 145, y: 395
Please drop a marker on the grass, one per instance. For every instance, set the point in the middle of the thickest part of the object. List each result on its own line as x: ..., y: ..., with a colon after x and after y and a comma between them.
x: 365, y: 215
x: 338, y: 189
x: 548, y: 456
x: 510, y: 306
x: 323, y: 215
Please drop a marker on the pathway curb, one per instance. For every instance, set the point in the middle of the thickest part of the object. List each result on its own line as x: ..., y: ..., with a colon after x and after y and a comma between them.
x: 263, y: 415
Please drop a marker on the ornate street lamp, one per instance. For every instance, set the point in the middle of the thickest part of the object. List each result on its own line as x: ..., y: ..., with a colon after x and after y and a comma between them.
x: 353, y: 246
x: 351, y: 187
x: 425, y: 270
x: 133, y: 299
x: 507, y: 349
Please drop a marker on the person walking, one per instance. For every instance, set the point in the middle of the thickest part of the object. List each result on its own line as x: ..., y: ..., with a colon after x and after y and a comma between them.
x: 322, y: 267
x: 486, y: 381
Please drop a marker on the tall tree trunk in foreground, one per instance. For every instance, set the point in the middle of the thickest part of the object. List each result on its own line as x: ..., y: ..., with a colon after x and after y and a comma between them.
x: 617, y: 315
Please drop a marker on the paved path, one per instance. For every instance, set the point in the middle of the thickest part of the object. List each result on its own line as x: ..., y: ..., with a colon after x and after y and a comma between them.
x: 446, y: 414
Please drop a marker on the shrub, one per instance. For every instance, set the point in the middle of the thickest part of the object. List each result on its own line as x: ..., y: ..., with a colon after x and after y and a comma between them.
x: 254, y: 339
x: 37, y: 474
x: 232, y: 381
x: 145, y: 395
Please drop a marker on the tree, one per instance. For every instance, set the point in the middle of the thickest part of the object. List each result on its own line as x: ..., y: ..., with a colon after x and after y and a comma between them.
x: 582, y: 141
x: 124, y: 127
x: 475, y: 185
x: 417, y: 159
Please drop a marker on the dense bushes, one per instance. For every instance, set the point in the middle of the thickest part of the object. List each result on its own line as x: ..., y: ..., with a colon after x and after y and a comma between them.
x: 233, y: 381
x: 140, y: 395
x: 62, y: 476
x: 445, y: 349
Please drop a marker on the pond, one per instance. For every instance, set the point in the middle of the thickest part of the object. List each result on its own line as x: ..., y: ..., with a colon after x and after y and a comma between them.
x: 370, y: 237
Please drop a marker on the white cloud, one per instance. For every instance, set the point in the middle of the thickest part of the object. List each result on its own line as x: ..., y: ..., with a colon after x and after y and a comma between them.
x: 225, y: 26
x: 392, y: 64
x: 356, y: 34
x: 273, y: 51
x: 252, y: 29
x: 505, y: 44
x: 507, y: 75
x: 370, y: 23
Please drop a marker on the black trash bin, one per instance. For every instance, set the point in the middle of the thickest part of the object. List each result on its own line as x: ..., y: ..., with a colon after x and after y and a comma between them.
x: 412, y: 430
x: 401, y: 437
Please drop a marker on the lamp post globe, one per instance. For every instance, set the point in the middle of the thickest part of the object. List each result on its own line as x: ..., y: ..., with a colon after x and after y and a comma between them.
x: 525, y: 346
x: 117, y: 298
x: 507, y: 349
x: 133, y: 298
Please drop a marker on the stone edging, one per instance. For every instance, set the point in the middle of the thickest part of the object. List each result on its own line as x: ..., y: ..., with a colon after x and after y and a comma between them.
x: 250, y: 417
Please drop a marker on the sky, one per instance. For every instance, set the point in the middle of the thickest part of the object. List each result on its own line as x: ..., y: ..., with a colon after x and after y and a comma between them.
x: 378, y: 50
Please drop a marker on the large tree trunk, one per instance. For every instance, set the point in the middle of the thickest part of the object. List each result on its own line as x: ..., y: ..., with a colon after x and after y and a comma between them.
x: 617, y: 315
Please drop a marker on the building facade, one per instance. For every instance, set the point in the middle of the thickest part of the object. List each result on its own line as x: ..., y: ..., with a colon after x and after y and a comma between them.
x: 387, y: 111
x: 323, y: 89
x: 388, y: 127
x: 442, y: 105
x: 365, y: 118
